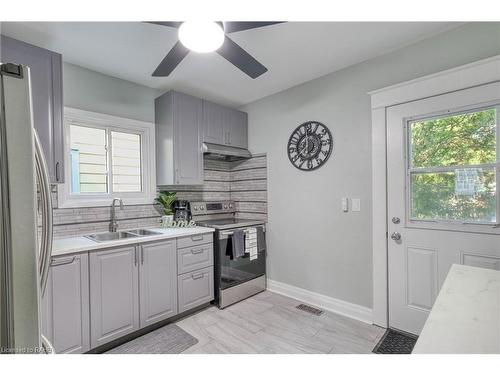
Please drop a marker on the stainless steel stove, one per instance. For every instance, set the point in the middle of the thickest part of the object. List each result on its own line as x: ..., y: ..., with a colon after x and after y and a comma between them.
x: 236, y: 278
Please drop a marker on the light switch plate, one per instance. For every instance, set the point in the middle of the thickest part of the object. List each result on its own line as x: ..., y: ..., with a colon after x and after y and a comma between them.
x: 355, y: 204
x: 345, y: 204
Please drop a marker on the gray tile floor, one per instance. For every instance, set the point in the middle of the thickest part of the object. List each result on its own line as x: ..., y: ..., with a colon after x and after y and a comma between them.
x: 270, y: 323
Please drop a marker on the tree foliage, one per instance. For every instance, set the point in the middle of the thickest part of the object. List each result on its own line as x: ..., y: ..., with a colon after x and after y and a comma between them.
x: 466, y: 192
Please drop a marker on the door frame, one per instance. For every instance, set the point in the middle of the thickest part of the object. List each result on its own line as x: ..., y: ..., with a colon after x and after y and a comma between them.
x: 478, y: 73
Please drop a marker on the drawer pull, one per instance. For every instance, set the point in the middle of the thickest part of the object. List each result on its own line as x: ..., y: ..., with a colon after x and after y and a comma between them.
x: 197, y: 251
x: 55, y: 262
x: 196, y: 276
x: 197, y: 238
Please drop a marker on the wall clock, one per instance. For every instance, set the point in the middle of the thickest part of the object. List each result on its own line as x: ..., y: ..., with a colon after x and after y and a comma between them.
x: 310, y: 146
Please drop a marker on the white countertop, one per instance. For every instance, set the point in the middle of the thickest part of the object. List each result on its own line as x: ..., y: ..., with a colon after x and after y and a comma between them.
x: 466, y: 315
x: 80, y: 244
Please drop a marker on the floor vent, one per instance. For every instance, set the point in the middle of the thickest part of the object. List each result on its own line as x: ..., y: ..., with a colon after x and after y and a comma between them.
x: 310, y: 309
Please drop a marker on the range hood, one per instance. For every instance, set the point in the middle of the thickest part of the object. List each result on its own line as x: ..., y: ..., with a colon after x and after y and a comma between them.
x: 227, y: 153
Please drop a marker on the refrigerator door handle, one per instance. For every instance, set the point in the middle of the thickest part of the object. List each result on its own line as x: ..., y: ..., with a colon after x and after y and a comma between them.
x: 46, y: 204
x: 47, y: 346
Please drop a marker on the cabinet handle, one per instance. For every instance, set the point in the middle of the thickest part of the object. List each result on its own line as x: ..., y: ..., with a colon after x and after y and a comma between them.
x: 135, y: 256
x: 142, y: 255
x: 197, y: 238
x: 54, y: 262
x: 57, y: 171
x: 197, y: 251
x: 196, y: 276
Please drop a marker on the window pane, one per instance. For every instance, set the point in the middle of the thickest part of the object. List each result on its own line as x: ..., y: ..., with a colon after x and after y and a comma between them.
x: 466, y: 194
x: 126, y: 160
x: 88, y: 160
x: 465, y: 139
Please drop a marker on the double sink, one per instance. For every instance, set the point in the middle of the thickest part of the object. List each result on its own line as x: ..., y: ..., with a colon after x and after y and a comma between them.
x: 121, y: 235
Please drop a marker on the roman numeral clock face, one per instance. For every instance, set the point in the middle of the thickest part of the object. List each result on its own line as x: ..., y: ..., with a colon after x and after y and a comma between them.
x: 310, y: 146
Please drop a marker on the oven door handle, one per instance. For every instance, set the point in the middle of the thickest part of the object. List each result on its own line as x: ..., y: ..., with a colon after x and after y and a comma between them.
x: 228, y: 233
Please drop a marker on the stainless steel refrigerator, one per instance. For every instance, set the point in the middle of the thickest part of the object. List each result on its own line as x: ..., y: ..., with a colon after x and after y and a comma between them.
x: 25, y: 204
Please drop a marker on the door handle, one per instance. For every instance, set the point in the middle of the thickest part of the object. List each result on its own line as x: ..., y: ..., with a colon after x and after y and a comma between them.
x: 196, y: 276
x: 142, y: 255
x: 57, y: 172
x: 396, y: 236
x: 62, y: 262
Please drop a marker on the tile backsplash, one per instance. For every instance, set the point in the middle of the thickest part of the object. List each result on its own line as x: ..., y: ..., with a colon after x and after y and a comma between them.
x: 244, y: 182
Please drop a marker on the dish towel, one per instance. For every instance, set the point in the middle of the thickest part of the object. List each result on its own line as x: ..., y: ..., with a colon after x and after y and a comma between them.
x: 251, y: 243
x: 238, y: 243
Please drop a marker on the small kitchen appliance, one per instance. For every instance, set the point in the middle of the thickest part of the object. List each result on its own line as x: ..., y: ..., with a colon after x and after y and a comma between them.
x: 182, y: 210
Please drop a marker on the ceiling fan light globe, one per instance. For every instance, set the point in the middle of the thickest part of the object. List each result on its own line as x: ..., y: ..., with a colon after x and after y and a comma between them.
x: 199, y: 36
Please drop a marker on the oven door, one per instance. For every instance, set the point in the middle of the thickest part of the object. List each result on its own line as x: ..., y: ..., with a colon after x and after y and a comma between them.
x: 231, y: 272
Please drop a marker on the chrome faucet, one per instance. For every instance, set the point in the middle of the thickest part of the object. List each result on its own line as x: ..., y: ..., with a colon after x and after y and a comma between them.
x: 113, y: 225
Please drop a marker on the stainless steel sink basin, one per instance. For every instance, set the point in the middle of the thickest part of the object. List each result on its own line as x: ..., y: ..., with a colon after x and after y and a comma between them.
x: 113, y: 236
x: 110, y: 236
x: 143, y: 232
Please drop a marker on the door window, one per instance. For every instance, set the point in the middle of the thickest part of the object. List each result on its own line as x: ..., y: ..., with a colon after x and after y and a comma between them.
x: 453, y: 164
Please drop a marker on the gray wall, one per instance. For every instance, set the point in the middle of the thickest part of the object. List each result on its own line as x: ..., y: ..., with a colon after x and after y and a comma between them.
x: 93, y: 91
x: 312, y: 244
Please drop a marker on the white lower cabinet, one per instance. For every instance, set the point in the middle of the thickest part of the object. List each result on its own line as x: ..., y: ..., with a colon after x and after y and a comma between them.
x: 65, y: 304
x: 158, y: 282
x: 195, y: 288
x: 114, y: 294
x: 97, y: 297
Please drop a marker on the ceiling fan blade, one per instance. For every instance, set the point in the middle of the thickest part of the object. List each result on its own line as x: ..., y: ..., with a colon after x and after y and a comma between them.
x: 166, y: 23
x: 232, y: 27
x: 173, y: 58
x: 241, y: 58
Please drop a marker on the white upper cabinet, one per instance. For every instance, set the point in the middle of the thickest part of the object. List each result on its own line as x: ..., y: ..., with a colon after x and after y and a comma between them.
x: 179, y: 158
x: 46, y: 92
x: 224, y: 126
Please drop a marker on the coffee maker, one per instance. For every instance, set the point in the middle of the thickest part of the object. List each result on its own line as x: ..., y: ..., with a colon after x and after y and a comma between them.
x: 182, y: 210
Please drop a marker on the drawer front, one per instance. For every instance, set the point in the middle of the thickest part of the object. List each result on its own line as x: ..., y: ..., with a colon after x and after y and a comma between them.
x: 195, y: 258
x: 195, y: 239
x: 195, y: 288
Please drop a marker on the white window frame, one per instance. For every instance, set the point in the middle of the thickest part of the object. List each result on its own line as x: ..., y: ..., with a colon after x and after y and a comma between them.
x: 459, y: 225
x: 113, y: 123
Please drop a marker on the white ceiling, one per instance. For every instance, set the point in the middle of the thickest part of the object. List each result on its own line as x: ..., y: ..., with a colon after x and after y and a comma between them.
x: 294, y: 52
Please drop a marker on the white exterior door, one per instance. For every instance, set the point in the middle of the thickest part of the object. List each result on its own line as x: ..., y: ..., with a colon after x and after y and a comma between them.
x: 443, y: 167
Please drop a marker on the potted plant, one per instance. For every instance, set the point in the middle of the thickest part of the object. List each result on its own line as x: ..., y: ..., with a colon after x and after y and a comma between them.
x: 166, y: 198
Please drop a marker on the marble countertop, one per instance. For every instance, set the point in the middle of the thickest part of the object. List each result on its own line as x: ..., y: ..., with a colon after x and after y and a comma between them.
x: 80, y: 244
x: 466, y: 315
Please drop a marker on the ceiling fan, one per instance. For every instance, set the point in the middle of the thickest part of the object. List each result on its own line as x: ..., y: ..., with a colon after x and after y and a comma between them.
x: 209, y: 37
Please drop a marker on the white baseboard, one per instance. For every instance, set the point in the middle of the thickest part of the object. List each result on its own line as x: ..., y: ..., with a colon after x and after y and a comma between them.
x: 334, y: 305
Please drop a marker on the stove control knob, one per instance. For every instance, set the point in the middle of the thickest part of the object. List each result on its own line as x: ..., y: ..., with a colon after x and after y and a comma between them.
x: 230, y: 205
x: 196, y: 208
x: 225, y: 206
x: 202, y: 208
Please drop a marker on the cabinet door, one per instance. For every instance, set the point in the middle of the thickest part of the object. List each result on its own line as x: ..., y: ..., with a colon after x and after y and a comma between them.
x: 237, y: 128
x: 158, y: 282
x: 195, y: 288
x: 65, y: 313
x: 46, y: 84
x: 188, y: 163
x: 213, y: 123
x: 114, y: 294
